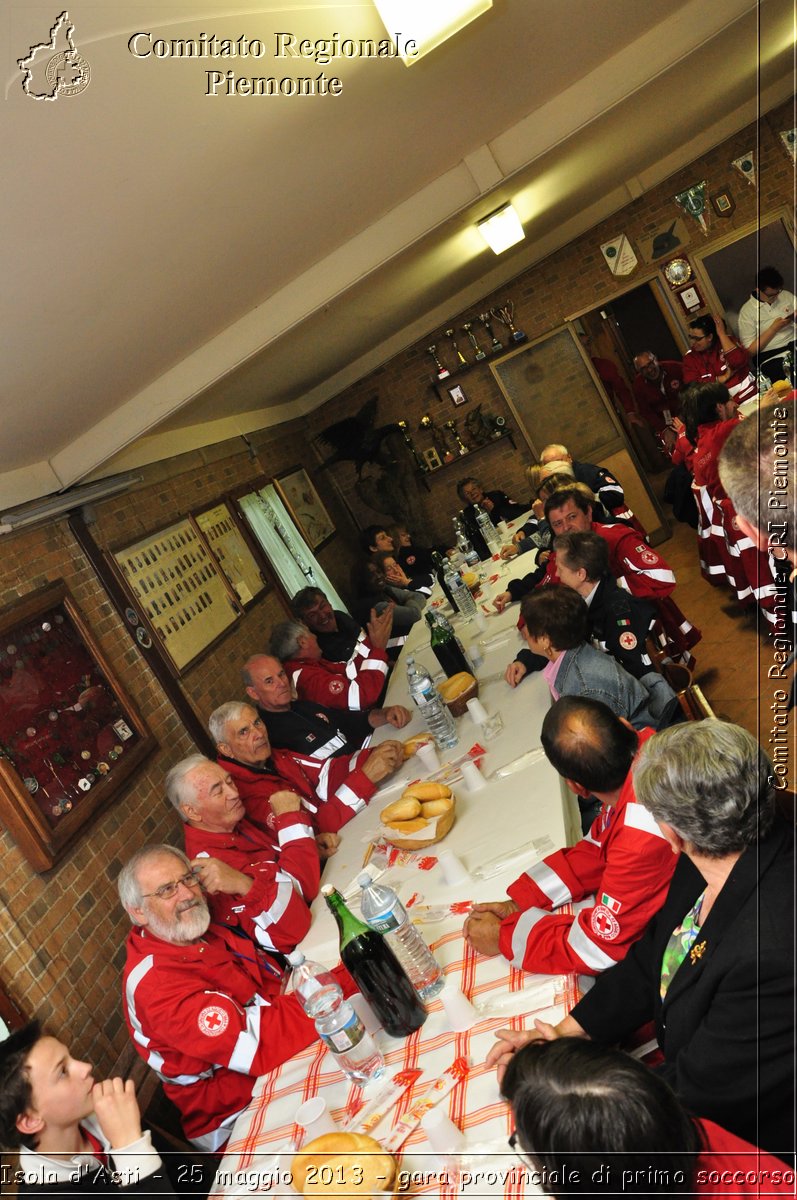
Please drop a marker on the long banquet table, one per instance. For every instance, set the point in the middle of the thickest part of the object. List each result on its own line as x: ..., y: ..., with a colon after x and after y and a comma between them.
x: 499, y: 830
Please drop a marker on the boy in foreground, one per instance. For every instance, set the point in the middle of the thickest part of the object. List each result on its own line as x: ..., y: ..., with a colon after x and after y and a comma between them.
x: 74, y: 1136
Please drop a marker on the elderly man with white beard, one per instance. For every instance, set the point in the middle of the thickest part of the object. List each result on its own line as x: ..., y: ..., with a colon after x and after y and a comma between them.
x: 203, y: 1003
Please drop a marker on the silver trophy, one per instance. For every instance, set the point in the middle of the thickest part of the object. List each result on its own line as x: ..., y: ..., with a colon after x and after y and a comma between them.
x: 460, y: 357
x: 442, y: 372
x: 506, y: 315
x: 487, y: 323
x: 477, y: 350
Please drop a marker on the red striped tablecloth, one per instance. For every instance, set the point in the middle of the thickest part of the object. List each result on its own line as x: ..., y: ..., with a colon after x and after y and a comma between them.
x: 253, y: 1162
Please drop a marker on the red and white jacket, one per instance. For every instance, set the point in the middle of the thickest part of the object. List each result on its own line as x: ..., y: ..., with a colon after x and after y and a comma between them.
x: 333, y: 790
x: 624, y: 865
x: 706, y: 366
x: 286, y: 874
x: 209, y: 1018
x: 356, y: 684
x: 635, y: 566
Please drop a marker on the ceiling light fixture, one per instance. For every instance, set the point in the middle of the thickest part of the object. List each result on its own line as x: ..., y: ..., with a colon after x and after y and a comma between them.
x: 427, y: 23
x: 501, y: 229
x: 64, y: 502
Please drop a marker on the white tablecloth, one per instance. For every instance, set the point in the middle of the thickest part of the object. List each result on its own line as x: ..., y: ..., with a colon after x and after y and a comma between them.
x: 498, y: 832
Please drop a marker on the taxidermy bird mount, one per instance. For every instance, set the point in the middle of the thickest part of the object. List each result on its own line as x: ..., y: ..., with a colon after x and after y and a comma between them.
x: 355, y: 440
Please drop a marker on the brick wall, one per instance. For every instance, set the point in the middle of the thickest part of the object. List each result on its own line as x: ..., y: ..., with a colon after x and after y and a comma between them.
x: 61, y: 935
x: 572, y: 279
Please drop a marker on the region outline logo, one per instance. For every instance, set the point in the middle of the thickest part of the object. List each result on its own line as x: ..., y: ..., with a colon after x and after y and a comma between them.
x: 55, y: 68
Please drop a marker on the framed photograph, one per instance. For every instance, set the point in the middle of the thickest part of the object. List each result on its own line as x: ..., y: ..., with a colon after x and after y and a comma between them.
x: 305, y: 506
x: 690, y: 298
x: 432, y: 459
x: 70, y: 736
x: 232, y: 552
x: 672, y: 236
x: 723, y: 202
x: 185, y: 598
x: 457, y: 395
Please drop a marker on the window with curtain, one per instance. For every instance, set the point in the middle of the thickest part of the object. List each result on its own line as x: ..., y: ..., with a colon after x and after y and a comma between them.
x: 293, y: 561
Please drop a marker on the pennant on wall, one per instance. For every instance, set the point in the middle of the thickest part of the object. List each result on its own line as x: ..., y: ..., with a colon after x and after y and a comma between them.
x: 693, y: 200
x: 789, y: 139
x: 620, y: 258
x: 745, y: 165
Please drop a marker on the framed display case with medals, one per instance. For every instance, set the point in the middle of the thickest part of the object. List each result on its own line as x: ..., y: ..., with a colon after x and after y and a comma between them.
x: 70, y: 736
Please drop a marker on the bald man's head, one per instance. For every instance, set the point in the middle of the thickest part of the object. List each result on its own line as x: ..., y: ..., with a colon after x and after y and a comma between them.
x: 586, y: 742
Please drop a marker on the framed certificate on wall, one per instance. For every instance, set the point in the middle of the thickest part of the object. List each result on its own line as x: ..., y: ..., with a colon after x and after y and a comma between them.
x: 184, y: 596
x: 232, y: 552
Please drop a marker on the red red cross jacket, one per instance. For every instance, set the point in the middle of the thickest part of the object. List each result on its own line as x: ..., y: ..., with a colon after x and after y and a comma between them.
x: 209, y: 1018
x: 286, y: 874
x: 355, y: 684
x: 624, y: 864
x: 333, y: 790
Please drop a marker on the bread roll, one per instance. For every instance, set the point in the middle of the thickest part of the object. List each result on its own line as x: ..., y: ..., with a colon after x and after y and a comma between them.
x: 449, y: 689
x: 403, y: 809
x: 426, y: 791
x: 343, y: 1164
x: 411, y: 745
x: 436, y: 808
x: 407, y: 827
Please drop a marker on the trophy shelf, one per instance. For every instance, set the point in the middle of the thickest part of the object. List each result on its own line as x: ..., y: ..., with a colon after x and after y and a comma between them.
x: 441, y: 385
x: 507, y: 436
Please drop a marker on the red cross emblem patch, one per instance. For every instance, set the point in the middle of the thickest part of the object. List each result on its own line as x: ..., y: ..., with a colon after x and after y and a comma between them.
x: 212, y: 1021
x: 627, y: 641
x: 604, y: 923
x: 336, y: 686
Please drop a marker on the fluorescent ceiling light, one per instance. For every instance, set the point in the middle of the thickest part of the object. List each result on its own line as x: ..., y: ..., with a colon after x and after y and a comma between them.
x: 64, y: 502
x: 427, y: 22
x: 501, y: 229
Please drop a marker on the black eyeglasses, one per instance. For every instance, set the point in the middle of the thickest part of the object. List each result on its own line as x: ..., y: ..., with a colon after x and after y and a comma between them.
x: 697, y: 337
x: 167, y: 890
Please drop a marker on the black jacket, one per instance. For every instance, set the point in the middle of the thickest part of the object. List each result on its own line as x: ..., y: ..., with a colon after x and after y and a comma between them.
x: 726, y: 1025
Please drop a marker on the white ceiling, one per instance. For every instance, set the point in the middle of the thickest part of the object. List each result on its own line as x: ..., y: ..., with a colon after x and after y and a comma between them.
x: 180, y: 268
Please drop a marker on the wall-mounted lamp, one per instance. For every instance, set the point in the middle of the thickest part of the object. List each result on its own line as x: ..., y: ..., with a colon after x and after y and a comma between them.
x: 427, y: 23
x: 501, y: 229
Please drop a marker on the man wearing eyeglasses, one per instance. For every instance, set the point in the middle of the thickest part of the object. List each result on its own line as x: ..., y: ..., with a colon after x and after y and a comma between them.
x: 204, y: 1005
x: 766, y: 324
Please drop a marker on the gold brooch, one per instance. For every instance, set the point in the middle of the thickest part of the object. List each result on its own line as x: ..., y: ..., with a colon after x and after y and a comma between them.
x: 697, y: 952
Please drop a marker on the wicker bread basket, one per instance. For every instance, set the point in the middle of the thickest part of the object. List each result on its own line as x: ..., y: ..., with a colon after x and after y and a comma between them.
x: 418, y: 841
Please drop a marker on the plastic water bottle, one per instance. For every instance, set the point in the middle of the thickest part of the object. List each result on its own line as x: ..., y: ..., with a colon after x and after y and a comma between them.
x: 763, y: 383
x: 385, y: 913
x: 469, y: 555
x: 336, y: 1022
x: 460, y: 593
x: 437, y: 718
x: 487, y: 529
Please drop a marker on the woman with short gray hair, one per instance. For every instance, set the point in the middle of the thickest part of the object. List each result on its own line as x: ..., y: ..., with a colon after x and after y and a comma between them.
x: 715, y: 967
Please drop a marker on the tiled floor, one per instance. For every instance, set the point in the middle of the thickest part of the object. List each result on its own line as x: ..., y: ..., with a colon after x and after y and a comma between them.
x: 735, y: 654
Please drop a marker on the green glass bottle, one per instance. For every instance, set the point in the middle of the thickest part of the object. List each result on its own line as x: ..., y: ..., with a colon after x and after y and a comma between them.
x: 376, y: 970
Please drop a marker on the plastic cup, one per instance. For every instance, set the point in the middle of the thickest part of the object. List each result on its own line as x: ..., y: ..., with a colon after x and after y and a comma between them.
x: 441, y: 1132
x: 314, y: 1117
x: 472, y: 777
x: 458, y: 1009
x: 477, y: 711
x: 428, y: 755
x: 454, y: 872
x: 479, y: 620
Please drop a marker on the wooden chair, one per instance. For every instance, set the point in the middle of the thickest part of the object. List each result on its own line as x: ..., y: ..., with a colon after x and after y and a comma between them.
x: 690, y: 696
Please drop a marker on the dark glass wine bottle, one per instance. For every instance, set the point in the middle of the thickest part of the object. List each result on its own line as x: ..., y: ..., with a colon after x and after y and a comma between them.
x: 446, y: 647
x: 440, y: 572
x: 376, y: 970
